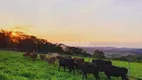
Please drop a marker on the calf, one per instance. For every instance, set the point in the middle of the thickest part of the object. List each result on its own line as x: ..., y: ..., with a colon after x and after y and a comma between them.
x: 90, y: 68
x: 115, y: 72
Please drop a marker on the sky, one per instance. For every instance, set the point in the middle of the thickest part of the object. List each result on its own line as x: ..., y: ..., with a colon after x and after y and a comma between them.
x: 115, y: 23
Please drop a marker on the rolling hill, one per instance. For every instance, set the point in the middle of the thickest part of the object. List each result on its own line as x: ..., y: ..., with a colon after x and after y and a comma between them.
x: 113, y: 50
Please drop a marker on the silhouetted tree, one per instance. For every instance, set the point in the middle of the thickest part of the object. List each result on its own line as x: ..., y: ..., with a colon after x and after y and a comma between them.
x: 5, y: 38
x: 98, y: 54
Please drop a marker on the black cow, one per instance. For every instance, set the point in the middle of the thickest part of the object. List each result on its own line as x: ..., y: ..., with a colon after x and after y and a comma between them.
x: 79, y: 62
x: 101, y: 63
x: 66, y: 62
x: 90, y: 68
x: 116, y: 72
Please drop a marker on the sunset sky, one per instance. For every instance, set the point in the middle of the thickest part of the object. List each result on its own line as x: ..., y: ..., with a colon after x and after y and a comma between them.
x: 115, y: 23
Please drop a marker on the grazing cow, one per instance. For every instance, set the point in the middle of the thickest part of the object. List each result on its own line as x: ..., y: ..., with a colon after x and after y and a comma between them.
x: 101, y: 63
x: 51, y: 60
x: 90, y: 68
x: 66, y: 62
x: 27, y: 54
x: 33, y: 56
x: 79, y: 62
x: 55, y: 54
x: 115, y: 72
x: 42, y: 56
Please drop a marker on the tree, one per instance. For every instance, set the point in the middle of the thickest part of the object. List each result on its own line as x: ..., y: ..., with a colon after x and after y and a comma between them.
x: 5, y: 38
x: 98, y: 54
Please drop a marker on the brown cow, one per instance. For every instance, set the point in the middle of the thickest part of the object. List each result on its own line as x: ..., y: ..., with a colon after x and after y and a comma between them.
x: 33, y: 56
x: 27, y: 54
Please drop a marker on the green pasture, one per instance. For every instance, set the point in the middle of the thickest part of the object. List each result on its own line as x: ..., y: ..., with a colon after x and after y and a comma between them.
x: 13, y: 66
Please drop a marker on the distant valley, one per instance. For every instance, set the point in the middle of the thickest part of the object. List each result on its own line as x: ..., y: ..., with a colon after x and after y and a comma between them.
x: 112, y: 51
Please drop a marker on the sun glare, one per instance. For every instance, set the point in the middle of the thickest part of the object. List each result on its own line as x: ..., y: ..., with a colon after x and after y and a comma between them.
x: 14, y: 34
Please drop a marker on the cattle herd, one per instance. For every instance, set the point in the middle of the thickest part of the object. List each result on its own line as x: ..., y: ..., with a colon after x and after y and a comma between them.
x: 79, y: 64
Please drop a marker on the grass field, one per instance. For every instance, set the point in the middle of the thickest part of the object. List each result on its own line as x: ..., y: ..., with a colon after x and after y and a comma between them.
x: 13, y: 66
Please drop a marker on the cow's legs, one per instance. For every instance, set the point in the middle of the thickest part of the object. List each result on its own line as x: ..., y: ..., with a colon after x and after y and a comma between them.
x: 83, y: 76
x: 97, y: 77
x: 86, y: 76
x: 70, y: 70
x: 108, y: 77
x: 59, y: 67
x: 64, y: 68
x: 73, y: 70
x: 124, y: 78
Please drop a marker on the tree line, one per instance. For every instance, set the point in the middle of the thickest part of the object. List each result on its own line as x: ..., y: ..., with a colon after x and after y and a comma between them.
x: 29, y: 43
x: 19, y: 41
